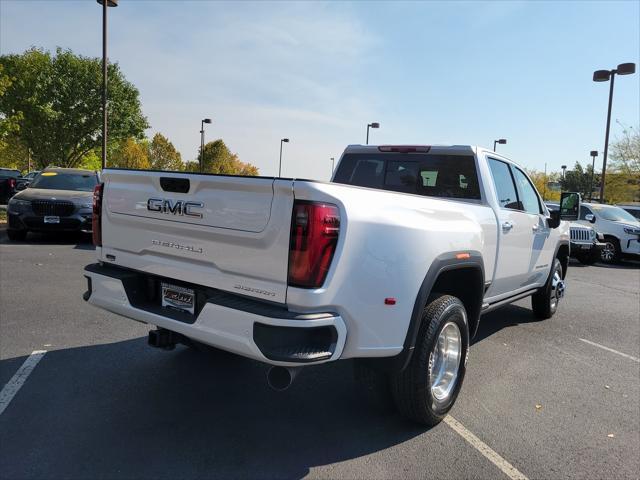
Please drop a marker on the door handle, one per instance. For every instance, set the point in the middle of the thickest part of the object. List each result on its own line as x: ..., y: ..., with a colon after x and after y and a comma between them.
x: 506, y: 226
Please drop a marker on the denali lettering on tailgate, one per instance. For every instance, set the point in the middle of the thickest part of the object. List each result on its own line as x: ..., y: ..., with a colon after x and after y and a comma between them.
x: 176, y: 207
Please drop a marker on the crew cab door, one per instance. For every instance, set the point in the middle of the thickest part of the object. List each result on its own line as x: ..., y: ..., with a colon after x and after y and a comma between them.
x: 523, y: 235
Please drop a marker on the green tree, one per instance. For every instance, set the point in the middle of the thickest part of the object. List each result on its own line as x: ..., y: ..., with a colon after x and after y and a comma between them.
x: 131, y: 153
x: 9, y: 123
x: 579, y: 180
x: 57, y: 98
x: 625, y: 152
x: 163, y: 155
x: 13, y: 154
x: 219, y: 159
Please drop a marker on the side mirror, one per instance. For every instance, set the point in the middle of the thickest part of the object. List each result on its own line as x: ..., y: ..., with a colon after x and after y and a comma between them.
x: 554, y: 220
x: 21, y: 186
x: 590, y: 217
x: 570, y: 206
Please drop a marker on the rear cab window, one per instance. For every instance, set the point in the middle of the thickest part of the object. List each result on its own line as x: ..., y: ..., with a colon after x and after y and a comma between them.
x: 431, y: 175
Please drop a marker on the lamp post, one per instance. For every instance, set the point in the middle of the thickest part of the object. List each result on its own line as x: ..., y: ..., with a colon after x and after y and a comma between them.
x: 333, y: 163
x: 594, y: 154
x: 564, y: 171
x: 371, y: 125
x: 502, y: 141
x: 105, y: 4
x: 604, y: 76
x: 283, y: 140
x: 202, y: 122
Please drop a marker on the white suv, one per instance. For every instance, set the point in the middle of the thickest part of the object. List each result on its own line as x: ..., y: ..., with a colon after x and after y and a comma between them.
x: 621, y: 229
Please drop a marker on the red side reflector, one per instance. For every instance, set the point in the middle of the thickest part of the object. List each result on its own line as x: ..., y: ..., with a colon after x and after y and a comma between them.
x: 96, y: 224
x: 315, y: 228
x: 405, y: 148
x: 462, y: 256
x: 390, y: 301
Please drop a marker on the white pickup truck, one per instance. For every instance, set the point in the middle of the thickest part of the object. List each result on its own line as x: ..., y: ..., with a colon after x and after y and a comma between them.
x: 392, y: 263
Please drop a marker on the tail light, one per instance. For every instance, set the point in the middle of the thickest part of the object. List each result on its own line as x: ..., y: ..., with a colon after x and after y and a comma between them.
x: 96, y: 225
x: 315, y: 228
x: 12, y: 183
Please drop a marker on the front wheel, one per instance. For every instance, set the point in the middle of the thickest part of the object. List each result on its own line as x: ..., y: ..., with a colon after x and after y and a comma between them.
x: 611, y: 251
x: 16, y: 235
x: 428, y: 387
x: 545, y: 302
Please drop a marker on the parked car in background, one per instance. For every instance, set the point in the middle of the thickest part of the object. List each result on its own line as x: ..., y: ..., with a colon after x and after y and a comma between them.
x: 24, y: 181
x: 8, y: 181
x: 392, y: 263
x: 586, y: 242
x: 621, y: 230
x: 632, y: 208
x: 59, y: 199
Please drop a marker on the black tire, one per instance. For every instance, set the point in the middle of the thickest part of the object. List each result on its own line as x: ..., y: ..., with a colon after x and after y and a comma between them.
x: 372, y: 386
x: 16, y: 235
x: 588, y: 258
x: 545, y: 302
x: 411, y: 388
x: 611, y: 251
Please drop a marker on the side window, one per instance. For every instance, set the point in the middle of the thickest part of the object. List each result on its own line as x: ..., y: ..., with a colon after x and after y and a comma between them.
x: 584, y: 211
x: 503, y: 181
x: 365, y: 172
x: 529, y: 197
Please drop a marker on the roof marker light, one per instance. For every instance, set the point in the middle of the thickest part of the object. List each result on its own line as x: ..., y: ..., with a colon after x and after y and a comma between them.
x: 405, y: 148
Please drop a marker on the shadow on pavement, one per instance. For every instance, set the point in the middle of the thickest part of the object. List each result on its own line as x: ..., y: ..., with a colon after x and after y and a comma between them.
x: 504, y: 317
x: 82, y: 241
x: 623, y: 264
x: 124, y: 410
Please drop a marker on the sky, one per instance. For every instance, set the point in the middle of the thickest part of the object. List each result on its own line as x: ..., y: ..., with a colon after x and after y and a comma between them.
x: 314, y: 72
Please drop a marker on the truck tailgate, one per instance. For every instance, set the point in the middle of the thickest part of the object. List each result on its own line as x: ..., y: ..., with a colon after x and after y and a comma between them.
x: 230, y: 233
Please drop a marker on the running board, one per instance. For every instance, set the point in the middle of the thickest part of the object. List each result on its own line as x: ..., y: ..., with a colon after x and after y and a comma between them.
x: 488, y: 307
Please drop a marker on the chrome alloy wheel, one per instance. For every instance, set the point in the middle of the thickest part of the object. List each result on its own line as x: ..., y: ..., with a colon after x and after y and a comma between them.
x: 557, y: 289
x: 445, y: 361
x: 608, y: 253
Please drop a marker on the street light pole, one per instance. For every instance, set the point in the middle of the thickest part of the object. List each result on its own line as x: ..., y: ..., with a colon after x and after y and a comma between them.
x: 282, y: 140
x: 105, y: 4
x: 332, y: 165
x: 202, y: 122
x: 594, y: 154
x: 371, y: 125
x: 603, y: 76
x: 606, y: 137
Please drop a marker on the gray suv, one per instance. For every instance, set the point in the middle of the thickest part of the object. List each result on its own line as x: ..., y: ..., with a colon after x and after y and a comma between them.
x: 58, y: 199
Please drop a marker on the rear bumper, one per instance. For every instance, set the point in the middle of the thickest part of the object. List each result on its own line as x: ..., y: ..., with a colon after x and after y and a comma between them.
x: 263, y: 332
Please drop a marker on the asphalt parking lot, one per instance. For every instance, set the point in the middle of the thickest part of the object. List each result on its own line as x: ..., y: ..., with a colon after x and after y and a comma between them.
x: 555, y: 399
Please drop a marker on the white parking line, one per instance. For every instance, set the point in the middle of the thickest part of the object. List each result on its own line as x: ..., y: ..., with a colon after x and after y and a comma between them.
x: 508, y: 469
x: 630, y: 357
x: 11, y: 388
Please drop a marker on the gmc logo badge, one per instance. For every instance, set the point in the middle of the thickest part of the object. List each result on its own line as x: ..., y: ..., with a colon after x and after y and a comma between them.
x: 176, y: 207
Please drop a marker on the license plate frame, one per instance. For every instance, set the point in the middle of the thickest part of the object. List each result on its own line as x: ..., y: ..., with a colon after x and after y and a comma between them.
x: 176, y: 297
x: 52, y: 219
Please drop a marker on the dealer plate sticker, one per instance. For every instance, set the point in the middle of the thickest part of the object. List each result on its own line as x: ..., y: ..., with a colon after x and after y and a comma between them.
x: 180, y: 298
